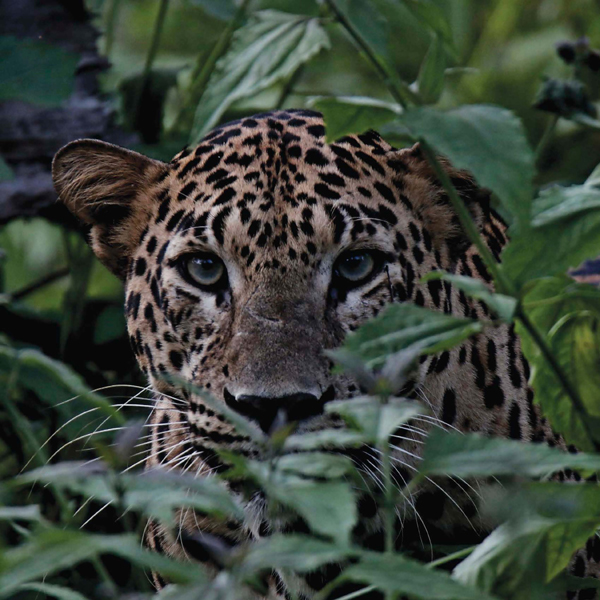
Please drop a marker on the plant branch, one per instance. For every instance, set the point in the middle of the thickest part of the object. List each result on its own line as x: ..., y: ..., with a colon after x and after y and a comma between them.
x: 40, y: 283
x: 203, y: 69
x: 398, y: 88
x: 152, y: 51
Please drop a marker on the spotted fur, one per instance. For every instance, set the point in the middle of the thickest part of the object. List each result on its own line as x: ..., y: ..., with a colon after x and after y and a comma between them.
x: 278, y: 205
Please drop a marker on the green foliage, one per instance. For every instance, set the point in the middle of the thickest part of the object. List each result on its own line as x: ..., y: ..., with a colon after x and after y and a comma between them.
x: 264, y: 56
x: 36, y: 72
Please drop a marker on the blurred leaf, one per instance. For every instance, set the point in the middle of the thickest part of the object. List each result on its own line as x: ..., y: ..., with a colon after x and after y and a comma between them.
x: 222, y: 9
x: 54, y: 591
x: 298, y: 552
x: 155, y: 493
x: 503, y: 306
x: 51, y: 551
x: 401, y: 325
x: 396, y: 574
x: 431, y: 15
x: 270, y: 48
x: 110, y: 325
x: 570, y: 217
x: 550, y: 521
x: 316, y: 464
x: 35, y: 72
x: 430, y: 81
x: 344, y: 115
x: 488, y: 141
x: 21, y: 513
x: 326, y: 438
x: 6, y: 173
x: 375, y: 420
x: 472, y: 455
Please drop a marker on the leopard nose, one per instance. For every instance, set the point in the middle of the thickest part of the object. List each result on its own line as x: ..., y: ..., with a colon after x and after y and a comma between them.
x: 271, y: 413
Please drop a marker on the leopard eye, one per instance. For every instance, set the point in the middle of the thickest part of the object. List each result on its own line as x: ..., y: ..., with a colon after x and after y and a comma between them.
x: 206, y: 270
x: 355, y: 267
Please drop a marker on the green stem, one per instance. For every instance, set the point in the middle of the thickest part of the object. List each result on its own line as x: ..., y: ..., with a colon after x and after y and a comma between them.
x: 450, y: 557
x: 288, y: 87
x: 358, y: 593
x: 203, y: 69
x: 573, y: 394
x: 105, y: 576
x: 111, y: 13
x: 152, y: 51
x: 36, y: 285
x: 545, y: 139
x: 399, y: 90
x: 503, y: 284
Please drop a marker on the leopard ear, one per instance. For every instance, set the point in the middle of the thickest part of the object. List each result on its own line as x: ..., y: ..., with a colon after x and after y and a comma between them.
x: 433, y: 205
x: 106, y: 187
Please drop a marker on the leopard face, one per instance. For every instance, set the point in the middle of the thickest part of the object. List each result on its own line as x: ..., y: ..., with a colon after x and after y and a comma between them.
x: 246, y: 257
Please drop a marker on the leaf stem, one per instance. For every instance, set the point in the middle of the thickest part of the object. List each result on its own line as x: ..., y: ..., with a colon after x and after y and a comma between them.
x: 203, y: 69
x: 450, y: 557
x: 503, y: 284
x: 36, y: 285
x: 152, y: 51
x: 398, y: 88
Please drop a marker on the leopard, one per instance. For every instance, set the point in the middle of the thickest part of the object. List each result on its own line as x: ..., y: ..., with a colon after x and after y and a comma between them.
x: 251, y: 254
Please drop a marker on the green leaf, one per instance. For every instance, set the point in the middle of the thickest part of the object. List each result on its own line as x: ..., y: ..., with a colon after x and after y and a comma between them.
x: 375, y: 420
x: 488, y: 141
x: 21, y: 513
x: 51, y: 551
x: 570, y: 217
x: 547, y: 523
x: 328, y: 507
x: 6, y: 173
x: 346, y: 115
x: 393, y: 573
x: 300, y: 553
x: 316, y: 464
x: 431, y: 15
x: 54, y: 591
x: 155, y: 493
x: 567, y: 315
x: 366, y: 18
x: 326, y: 438
x: 472, y: 455
x: 402, y: 325
x: 270, y: 48
x: 503, y: 306
x: 222, y: 9
x: 35, y: 72
x: 430, y: 81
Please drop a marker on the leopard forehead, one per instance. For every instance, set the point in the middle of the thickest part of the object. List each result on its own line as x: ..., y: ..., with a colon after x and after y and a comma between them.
x: 270, y: 193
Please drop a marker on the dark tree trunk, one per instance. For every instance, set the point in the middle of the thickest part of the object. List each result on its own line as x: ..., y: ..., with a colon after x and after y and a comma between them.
x: 30, y: 134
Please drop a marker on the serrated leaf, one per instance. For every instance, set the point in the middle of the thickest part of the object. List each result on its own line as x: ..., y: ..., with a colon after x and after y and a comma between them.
x: 430, y: 81
x: 570, y: 217
x: 35, y: 72
x: 345, y: 115
x: 396, y: 574
x: 547, y: 523
x: 402, y: 325
x: 488, y: 141
x: 375, y: 420
x: 567, y: 315
x: 503, y: 306
x: 268, y: 49
x: 472, y: 455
